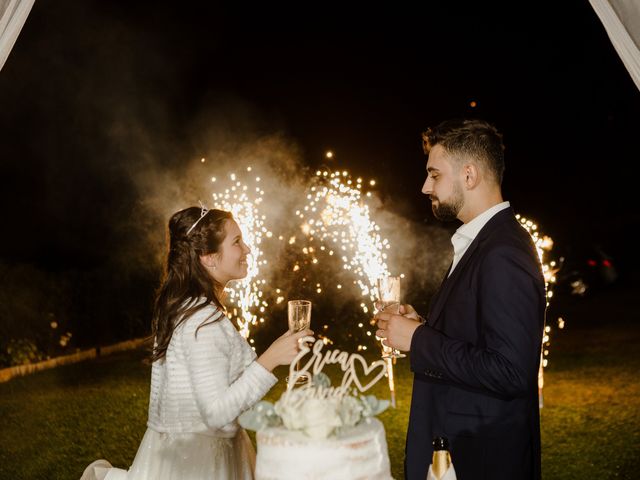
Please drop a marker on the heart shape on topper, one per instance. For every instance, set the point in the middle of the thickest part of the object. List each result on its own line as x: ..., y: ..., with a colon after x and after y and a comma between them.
x: 367, y: 370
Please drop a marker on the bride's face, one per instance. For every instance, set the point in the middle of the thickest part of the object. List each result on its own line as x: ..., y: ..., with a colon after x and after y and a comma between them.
x: 231, y: 258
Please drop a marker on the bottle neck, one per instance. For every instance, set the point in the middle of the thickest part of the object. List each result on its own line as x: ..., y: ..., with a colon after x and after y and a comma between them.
x: 440, y: 463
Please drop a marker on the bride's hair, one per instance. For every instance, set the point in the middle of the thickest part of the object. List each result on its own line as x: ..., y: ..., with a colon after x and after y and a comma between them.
x: 193, y: 232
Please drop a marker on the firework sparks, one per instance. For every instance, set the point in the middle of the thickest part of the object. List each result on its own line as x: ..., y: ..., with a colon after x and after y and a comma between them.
x: 338, y: 218
x: 335, y: 222
x: 244, y: 202
x: 543, y: 244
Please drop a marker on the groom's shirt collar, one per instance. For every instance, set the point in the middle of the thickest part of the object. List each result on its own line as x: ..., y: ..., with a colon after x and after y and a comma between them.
x: 467, y: 232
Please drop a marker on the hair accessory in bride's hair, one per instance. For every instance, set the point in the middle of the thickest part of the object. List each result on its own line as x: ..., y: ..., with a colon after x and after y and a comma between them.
x: 203, y: 211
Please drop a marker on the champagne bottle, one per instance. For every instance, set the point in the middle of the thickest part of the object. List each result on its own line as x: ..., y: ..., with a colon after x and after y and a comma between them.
x: 441, y: 460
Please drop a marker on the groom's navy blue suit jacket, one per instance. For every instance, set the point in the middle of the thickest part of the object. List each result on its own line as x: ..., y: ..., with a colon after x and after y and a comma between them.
x: 476, y: 359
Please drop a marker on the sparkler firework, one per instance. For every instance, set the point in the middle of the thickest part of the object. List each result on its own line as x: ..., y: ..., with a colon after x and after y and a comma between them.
x: 543, y: 244
x: 244, y: 203
x: 336, y: 221
x: 336, y: 215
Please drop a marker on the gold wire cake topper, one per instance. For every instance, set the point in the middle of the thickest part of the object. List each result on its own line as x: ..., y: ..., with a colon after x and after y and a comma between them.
x: 350, y: 363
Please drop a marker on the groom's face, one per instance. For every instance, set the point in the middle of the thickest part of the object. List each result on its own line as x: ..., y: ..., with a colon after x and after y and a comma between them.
x: 443, y: 185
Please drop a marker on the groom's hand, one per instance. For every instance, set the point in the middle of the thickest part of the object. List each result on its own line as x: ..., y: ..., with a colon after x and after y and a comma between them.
x: 408, y: 311
x: 397, y: 330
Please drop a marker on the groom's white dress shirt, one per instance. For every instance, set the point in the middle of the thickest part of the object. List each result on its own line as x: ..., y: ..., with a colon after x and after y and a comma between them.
x: 467, y: 232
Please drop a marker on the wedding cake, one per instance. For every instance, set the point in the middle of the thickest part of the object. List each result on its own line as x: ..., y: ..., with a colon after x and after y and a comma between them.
x: 321, y: 432
x: 359, y: 452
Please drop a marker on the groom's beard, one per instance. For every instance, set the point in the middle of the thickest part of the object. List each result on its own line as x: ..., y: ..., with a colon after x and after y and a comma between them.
x: 448, y: 211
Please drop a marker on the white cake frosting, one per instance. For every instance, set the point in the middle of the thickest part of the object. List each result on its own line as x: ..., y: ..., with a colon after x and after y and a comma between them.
x: 358, y: 452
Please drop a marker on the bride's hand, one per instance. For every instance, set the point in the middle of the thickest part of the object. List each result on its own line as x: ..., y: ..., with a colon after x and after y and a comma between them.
x: 283, y: 350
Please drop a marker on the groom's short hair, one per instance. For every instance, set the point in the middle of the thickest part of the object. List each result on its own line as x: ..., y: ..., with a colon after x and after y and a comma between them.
x: 474, y: 139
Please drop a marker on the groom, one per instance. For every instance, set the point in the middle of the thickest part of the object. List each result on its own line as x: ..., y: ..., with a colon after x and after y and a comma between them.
x: 476, y: 357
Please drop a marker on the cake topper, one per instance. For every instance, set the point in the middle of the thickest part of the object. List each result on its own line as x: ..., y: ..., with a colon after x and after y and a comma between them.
x: 349, y: 363
x: 317, y: 409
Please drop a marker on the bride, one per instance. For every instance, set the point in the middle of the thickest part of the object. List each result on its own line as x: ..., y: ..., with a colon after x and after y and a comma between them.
x: 204, y: 373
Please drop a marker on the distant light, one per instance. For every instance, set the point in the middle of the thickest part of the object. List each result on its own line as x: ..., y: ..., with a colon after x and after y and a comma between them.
x: 202, y: 160
x: 329, y: 154
x: 473, y: 104
x: 372, y: 183
x: 213, y: 179
x: 248, y: 169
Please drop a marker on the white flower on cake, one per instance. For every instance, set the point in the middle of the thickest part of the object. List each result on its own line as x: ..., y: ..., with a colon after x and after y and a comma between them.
x: 351, y: 411
x: 320, y: 417
x: 316, y: 417
x: 318, y: 409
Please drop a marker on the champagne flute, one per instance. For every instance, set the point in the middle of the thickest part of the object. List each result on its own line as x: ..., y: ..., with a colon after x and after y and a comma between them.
x: 389, y: 297
x: 299, y: 319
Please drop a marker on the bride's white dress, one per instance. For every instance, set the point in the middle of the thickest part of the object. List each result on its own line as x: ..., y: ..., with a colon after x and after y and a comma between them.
x: 188, y: 456
x: 197, y: 393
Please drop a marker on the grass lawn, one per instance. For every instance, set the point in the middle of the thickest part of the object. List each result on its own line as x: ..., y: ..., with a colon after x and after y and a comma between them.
x: 56, y: 422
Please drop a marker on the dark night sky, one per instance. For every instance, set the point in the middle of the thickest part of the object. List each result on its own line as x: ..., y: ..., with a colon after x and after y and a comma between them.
x: 92, y: 87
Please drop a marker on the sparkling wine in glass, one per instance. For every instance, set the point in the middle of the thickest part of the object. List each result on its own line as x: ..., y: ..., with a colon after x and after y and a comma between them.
x: 299, y: 319
x: 389, y: 301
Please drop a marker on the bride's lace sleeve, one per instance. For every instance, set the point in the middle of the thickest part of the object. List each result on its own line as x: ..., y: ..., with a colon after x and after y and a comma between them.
x: 212, y: 356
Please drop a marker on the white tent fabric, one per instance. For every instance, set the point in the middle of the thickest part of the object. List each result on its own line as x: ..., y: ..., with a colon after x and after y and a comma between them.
x: 13, y: 14
x: 621, y: 20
